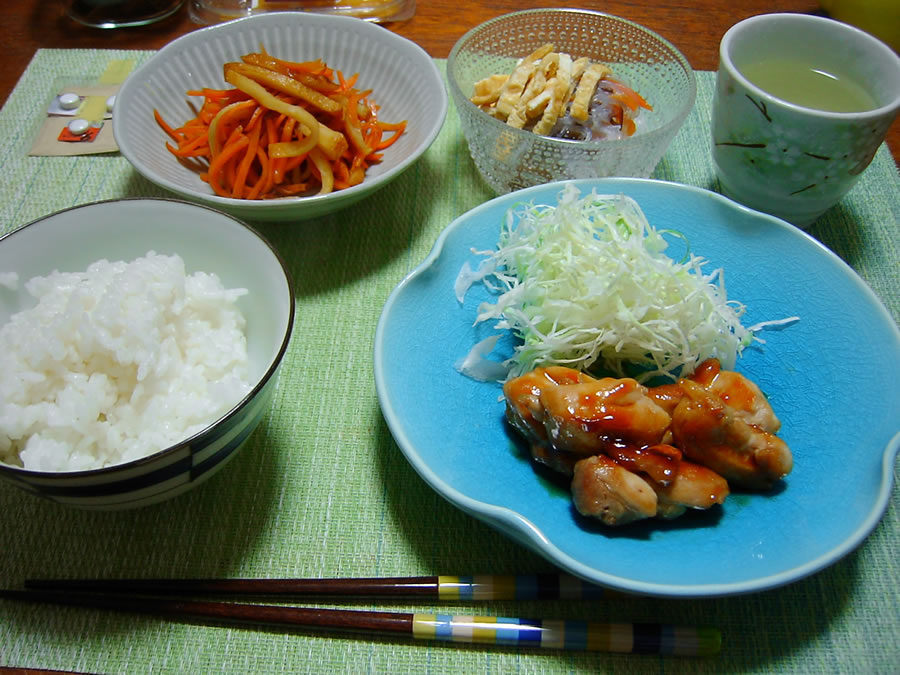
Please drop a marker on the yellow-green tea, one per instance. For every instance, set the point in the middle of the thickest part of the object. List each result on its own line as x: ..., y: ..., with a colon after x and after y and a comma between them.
x: 803, y: 84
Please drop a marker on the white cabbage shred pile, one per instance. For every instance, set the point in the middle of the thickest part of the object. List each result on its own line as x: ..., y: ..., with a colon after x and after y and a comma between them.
x: 586, y: 284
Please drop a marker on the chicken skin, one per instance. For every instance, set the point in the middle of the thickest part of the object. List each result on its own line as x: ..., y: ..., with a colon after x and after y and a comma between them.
x: 740, y: 393
x: 603, y: 489
x: 524, y: 409
x: 579, y: 417
x: 711, y: 432
x: 634, y: 452
x: 694, y: 486
x: 566, y: 415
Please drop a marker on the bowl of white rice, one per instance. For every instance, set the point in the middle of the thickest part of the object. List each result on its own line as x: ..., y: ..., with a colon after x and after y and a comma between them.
x: 140, y: 342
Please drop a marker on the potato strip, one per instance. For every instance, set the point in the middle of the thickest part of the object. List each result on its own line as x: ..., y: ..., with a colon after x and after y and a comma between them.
x: 285, y: 84
x: 309, y: 124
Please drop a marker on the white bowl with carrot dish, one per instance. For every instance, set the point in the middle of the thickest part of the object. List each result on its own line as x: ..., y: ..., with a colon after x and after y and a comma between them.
x: 280, y: 117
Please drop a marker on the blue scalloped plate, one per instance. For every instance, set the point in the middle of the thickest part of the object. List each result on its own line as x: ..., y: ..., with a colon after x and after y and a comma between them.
x: 831, y: 377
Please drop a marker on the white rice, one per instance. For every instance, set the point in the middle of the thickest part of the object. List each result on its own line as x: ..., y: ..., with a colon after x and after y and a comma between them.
x: 117, y: 362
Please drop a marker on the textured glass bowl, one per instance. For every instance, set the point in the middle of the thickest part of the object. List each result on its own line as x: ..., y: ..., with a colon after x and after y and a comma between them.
x: 509, y: 158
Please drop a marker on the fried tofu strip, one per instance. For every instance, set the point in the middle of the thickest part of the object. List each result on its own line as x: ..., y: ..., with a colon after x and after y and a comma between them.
x: 546, y: 70
x: 587, y: 84
x: 543, y: 88
x: 487, y: 91
x: 560, y: 94
x: 515, y: 85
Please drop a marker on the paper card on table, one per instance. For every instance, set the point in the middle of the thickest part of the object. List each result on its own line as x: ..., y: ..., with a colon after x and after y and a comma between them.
x: 47, y: 141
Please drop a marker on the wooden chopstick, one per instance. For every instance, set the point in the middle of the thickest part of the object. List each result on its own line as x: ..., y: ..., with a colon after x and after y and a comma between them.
x: 458, y: 588
x: 558, y: 634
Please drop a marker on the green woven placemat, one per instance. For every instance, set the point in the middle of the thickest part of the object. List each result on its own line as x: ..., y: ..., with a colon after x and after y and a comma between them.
x: 322, y: 490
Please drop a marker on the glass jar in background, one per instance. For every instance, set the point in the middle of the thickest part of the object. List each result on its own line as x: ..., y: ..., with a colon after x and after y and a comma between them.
x: 380, y: 11
x: 121, y: 13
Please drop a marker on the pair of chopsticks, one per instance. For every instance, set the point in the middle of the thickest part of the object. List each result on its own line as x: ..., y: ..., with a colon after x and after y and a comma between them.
x: 164, y: 597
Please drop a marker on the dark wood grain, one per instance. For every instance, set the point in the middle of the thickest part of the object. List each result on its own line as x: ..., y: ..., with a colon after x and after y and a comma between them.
x: 368, y: 587
x: 643, y: 638
x: 353, y: 620
x: 694, y: 26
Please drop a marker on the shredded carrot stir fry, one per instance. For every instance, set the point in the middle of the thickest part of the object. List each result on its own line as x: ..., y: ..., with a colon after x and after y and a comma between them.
x: 285, y: 128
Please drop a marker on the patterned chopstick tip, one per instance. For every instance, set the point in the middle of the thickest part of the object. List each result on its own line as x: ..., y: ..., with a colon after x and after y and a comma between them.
x: 521, y: 587
x: 569, y: 635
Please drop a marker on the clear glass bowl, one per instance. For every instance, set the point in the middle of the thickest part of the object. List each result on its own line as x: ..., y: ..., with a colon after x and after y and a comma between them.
x: 509, y: 158
x: 378, y: 11
x: 120, y: 13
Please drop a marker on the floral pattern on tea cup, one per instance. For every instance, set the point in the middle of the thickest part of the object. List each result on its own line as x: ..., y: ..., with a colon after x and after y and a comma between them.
x: 785, y: 159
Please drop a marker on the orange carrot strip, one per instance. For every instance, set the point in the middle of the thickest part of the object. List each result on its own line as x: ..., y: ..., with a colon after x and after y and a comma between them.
x: 398, y: 130
x: 287, y: 131
x: 218, y: 127
x: 219, y: 162
x: 165, y: 127
x: 341, y: 174
x: 351, y: 124
x: 625, y: 94
x: 230, y: 168
x: 195, y: 147
x: 208, y: 113
x: 316, y: 67
x: 291, y: 163
x: 256, y: 117
x: 258, y: 187
x: 372, y: 133
x: 240, y: 178
x: 232, y: 140
x: 272, y: 136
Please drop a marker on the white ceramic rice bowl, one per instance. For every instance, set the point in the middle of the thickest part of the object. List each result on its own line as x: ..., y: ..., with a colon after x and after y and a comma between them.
x: 208, y: 241
x: 404, y: 80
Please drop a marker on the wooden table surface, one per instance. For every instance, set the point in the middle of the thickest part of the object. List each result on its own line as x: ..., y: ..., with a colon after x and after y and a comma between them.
x: 694, y: 26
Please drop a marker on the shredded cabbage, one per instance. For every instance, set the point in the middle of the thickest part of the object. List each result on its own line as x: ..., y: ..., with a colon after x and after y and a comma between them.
x: 586, y: 284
